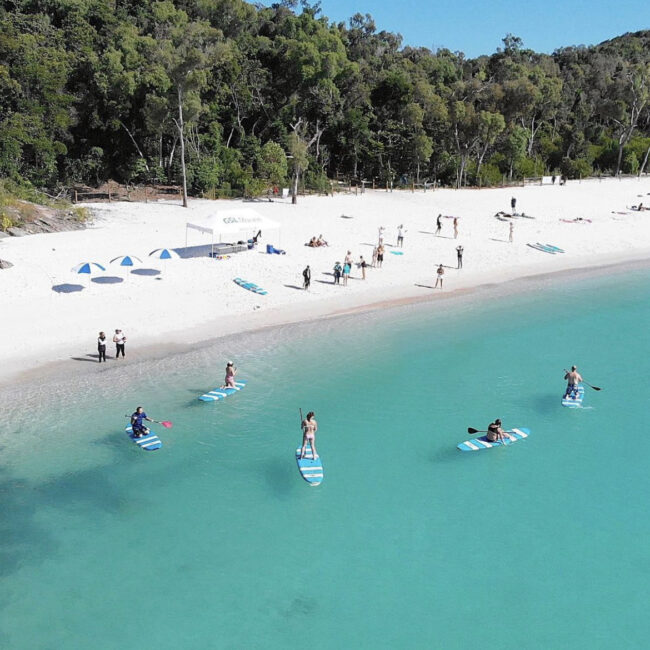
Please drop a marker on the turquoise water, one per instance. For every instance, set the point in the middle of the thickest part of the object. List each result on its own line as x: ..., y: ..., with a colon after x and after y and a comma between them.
x: 216, y: 542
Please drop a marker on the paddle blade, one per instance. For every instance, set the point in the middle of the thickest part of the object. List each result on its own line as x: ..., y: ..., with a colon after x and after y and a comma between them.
x: 470, y: 430
x: 167, y: 424
x: 595, y: 388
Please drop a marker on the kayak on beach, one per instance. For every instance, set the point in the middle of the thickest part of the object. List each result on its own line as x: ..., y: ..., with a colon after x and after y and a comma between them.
x: 150, y: 442
x: 575, y: 402
x: 483, y: 443
x: 311, y: 470
x: 222, y: 393
x: 244, y: 284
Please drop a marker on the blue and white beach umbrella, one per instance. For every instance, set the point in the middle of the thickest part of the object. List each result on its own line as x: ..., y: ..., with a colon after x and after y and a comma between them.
x: 164, y: 254
x: 88, y: 268
x: 126, y: 260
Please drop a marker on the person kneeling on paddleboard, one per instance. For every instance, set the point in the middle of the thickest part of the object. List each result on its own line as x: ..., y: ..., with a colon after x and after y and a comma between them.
x: 139, y: 430
x: 573, y: 378
x: 494, y: 431
x: 309, y: 428
x: 231, y: 371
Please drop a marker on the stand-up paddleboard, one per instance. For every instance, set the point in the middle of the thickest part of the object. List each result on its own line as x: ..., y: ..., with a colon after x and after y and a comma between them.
x: 483, y: 443
x: 222, y: 393
x: 249, y: 286
x: 537, y: 247
x: 311, y: 470
x: 555, y: 249
x: 575, y: 402
x: 149, y: 442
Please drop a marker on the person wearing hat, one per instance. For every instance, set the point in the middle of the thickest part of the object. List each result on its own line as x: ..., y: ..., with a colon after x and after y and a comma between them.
x: 573, y: 382
x: 119, y: 339
x: 231, y: 371
x: 494, y: 431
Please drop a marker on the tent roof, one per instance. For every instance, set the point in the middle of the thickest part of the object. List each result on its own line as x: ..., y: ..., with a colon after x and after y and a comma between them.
x: 233, y: 221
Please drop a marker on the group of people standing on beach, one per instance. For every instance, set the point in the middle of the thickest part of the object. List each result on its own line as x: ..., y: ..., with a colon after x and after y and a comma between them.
x: 119, y: 338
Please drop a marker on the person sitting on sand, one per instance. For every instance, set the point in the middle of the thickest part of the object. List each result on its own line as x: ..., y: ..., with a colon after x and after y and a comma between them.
x: 313, y: 242
x: 320, y: 241
x: 309, y: 427
x: 495, y: 432
x: 231, y: 371
x: 139, y: 430
x: 573, y: 382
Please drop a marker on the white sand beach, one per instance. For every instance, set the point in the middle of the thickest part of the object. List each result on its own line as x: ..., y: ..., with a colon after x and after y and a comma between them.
x: 193, y: 300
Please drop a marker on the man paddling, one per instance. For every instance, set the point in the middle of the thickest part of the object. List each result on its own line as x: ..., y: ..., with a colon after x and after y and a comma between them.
x: 495, y: 432
x: 309, y: 428
x: 573, y: 382
x: 139, y: 430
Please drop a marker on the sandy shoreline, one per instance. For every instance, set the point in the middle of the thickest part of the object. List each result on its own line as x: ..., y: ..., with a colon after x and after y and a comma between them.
x: 45, y: 333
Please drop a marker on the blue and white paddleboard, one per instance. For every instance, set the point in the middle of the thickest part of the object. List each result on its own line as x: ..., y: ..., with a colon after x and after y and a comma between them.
x: 396, y: 252
x: 244, y: 284
x: 311, y: 470
x: 483, y: 443
x: 575, y: 402
x: 222, y: 393
x: 150, y: 442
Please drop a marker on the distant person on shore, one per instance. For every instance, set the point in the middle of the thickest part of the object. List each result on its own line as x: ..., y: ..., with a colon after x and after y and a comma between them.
x: 380, y: 255
x: 321, y: 241
x: 513, y: 204
x: 346, y: 272
x: 374, y: 256
x: 338, y: 269
x: 511, y: 233
x: 440, y: 272
x: 573, y: 378
x: 380, y: 240
x: 231, y: 371
x: 309, y: 428
x: 363, y: 264
x: 306, y: 278
x: 400, y: 235
x: 455, y: 227
x: 553, y: 179
x: 494, y: 431
x: 101, y: 347
x: 459, y: 255
x: 120, y: 340
x: 439, y: 224
x: 137, y: 418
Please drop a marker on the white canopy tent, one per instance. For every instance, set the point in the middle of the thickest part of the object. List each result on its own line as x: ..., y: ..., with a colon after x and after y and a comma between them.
x: 245, y: 222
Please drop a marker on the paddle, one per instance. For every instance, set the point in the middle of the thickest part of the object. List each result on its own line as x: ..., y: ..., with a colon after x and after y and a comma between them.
x: 504, y: 440
x: 585, y: 382
x: 166, y: 423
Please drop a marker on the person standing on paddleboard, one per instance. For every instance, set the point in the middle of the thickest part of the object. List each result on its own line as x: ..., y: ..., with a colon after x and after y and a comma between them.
x: 573, y: 381
x: 309, y: 428
x: 139, y: 430
x: 231, y: 371
x: 494, y: 431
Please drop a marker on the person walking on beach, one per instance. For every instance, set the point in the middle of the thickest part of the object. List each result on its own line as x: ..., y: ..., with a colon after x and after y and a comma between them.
x: 120, y: 340
x: 309, y: 428
x: 400, y: 235
x: 380, y: 255
x: 137, y: 418
x: 231, y: 371
x: 511, y: 233
x: 495, y: 432
x: 346, y: 272
x: 439, y: 224
x: 306, y: 278
x: 363, y: 264
x: 101, y: 347
x: 338, y: 269
x: 374, y: 257
x: 455, y: 227
x: 573, y: 382
x: 513, y: 204
x: 440, y: 272
x: 380, y: 240
x: 459, y: 255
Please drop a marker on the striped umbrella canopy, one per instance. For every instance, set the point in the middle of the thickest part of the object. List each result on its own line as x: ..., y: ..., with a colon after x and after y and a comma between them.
x: 88, y: 268
x: 126, y: 260
x: 164, y: 254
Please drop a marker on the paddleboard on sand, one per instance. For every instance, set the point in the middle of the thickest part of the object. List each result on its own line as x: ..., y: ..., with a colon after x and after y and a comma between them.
x: 574, y: 402
x: 396, y: 252
x: 311, y: 470
x: 244, y: 284
x: 477, y: 444
x: 538, y: 247
x: 149, y: 442
x: 222, y: 393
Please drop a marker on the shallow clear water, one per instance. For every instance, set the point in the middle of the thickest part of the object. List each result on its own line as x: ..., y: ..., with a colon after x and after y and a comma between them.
x: 215, y: 541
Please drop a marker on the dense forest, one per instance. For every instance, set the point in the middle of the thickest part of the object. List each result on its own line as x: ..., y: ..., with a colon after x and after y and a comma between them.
x: 239, y: 97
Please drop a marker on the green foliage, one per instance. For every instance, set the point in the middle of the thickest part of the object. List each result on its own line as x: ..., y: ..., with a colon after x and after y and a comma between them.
x: 490, y: 175
x: 579, y: 168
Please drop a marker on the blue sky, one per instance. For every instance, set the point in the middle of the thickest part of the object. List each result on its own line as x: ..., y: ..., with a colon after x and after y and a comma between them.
x: 476, y: 27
